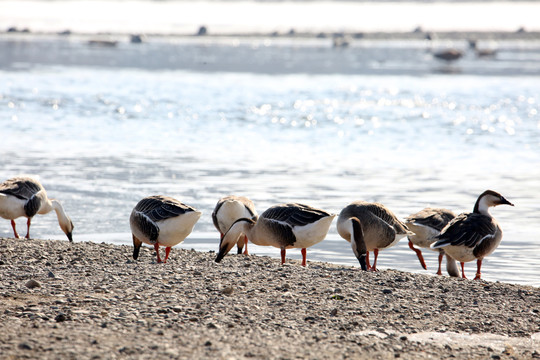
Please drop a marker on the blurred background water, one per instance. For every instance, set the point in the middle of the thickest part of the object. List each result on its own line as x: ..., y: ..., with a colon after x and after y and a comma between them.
x: 277, y: 120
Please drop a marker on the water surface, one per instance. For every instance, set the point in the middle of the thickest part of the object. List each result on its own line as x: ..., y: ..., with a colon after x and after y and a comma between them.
x: 105, y: 130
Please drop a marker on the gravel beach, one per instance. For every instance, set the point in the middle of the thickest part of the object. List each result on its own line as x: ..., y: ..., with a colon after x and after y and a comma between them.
x: 62, y: 300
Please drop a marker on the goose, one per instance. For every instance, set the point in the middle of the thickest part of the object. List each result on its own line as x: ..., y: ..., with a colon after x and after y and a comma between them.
x: 284, y: 226
x: 370, y: 227
x: 161, y: 220
x: 229, y: 209
x: 25, y: 196
x: 448, y: 54
x: 426, y: 225
x: 475, y: 235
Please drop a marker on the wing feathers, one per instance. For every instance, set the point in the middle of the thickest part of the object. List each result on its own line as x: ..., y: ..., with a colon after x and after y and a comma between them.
x: 468, y: 229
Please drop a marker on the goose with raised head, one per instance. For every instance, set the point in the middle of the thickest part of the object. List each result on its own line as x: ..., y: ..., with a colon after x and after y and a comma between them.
x: 427, y: 225
x: 161, y: 220
x: 284, y: 226
x: 370, y: 227
x: 229, y: 209
x: 473, y: 236
x: 25, y: 196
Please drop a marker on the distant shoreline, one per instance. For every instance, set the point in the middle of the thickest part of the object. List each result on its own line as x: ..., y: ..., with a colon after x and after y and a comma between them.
x: 418, y: 34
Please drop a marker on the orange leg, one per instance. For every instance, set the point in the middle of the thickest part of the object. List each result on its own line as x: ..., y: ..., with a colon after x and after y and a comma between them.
x: 28, y: 228
x: 419, y: 254
x: 282, y: 256
x: 463, y: 270
x: 374, y: 267
x: 441, y: 254
x: 304, y: 256
x: 156, y: 247
x: 13, y: 225
x: 367, y: 261
x: 167, y: 251
x: 478, y: 266
x: 245, y: 244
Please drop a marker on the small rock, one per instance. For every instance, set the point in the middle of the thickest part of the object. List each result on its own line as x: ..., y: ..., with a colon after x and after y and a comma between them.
x: 51, y: 275
x: 228, y: 290
x: 208, y: 343
x: 60, y: 317
x: 32, y: 284
x: 25, y: 346
x: 387, y: 291
x: 334, y: 312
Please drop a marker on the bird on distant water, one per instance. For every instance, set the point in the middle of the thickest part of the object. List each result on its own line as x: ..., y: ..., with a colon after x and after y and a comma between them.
x: 25, y: 196
x: 284, y: 226
x: 161, y: 220
x: 229, y: 209
x: 370, y: 227
x: 448, y: 54
x: 475, y: 235
x: 426, y: 225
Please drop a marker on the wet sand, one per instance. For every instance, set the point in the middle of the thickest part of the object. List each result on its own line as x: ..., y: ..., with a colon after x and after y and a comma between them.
x: 92, y: 301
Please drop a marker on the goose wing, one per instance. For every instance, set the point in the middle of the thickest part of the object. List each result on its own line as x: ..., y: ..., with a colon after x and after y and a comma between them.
x: 294, y: 214
x: 159, y: 207
x: 469, y: 229
x: 22, y: 188
x: 381, y: 212
x: 26, y: 189
x: 434, y: 218
x: 216, y: 210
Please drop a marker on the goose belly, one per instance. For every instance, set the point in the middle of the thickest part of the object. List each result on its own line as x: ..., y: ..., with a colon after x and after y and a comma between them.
x: 460, y: 253
x: 174, y: 230
x: 311, y: 234
x: 424, y: 235
x: 11, y: 207
x: 375, y: 240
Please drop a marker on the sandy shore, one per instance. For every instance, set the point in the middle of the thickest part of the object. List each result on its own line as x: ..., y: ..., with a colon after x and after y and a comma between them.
x: 92, y: 301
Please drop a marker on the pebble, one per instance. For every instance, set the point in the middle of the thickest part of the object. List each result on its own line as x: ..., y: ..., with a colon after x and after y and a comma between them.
x: 32, y: 284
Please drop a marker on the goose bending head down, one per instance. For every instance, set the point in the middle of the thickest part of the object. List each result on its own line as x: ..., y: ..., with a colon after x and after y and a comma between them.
x: 25, y: 196
x: 475, y: 235
x: 370, y: 227
x: 161, y: 220
x: 284, y: 226
x: 427, y: 225
x: 229, y: 209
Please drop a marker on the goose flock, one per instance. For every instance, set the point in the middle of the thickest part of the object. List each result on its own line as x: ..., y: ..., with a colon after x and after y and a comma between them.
x: 369, y: 227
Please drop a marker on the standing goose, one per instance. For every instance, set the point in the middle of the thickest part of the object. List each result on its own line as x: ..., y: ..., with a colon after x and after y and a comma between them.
x: 370, y: 227
x: 427, y: 225
x: 229, y: 209
x: 25, y: 196
x: 161, y: 220
x: 473, y: 235
x: 284, y: 226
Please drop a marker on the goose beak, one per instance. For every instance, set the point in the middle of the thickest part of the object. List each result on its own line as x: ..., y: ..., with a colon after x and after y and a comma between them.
x: 70, y: 236
x: 220, y: 256
x: 503, y: 201
x: 362, y: 261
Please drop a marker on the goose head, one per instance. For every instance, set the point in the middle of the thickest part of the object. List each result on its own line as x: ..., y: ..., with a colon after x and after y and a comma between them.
x: 488, y: 199
x: 63, y: 219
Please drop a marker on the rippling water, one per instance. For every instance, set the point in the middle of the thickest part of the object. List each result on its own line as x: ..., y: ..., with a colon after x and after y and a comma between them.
x: 103, y: 136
